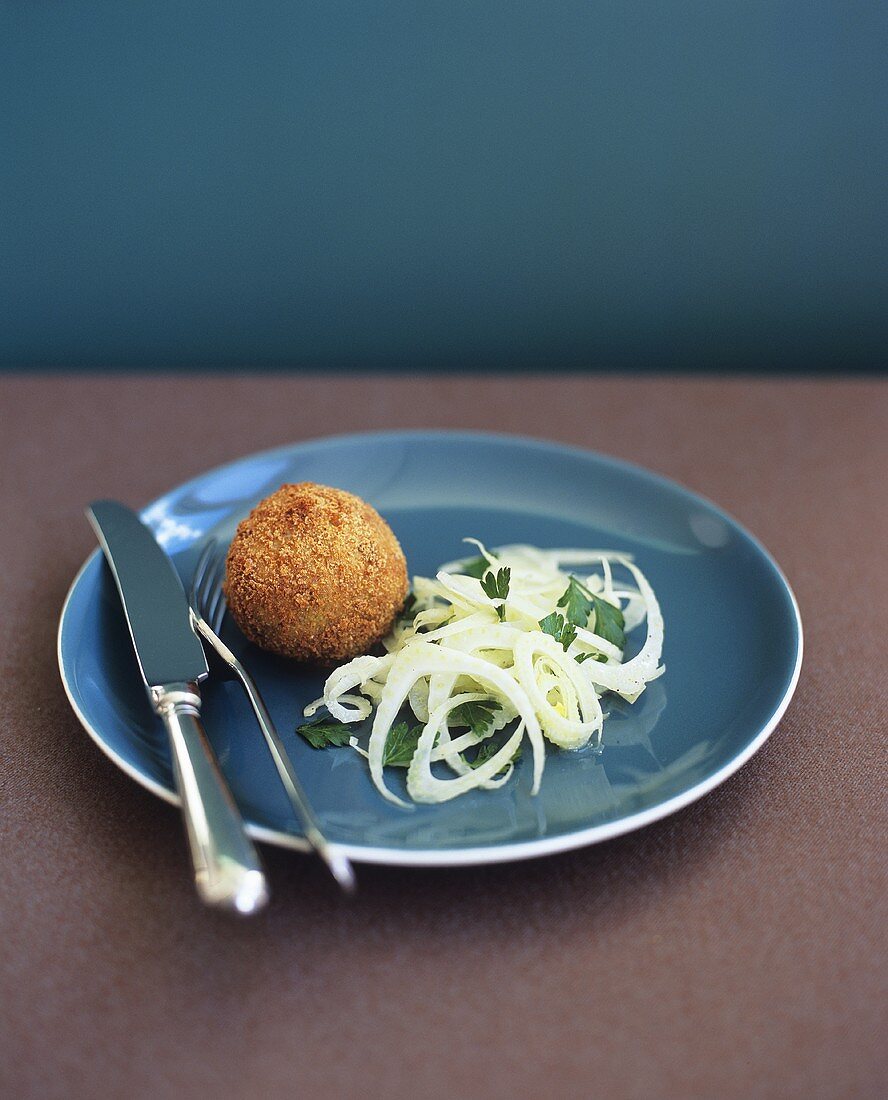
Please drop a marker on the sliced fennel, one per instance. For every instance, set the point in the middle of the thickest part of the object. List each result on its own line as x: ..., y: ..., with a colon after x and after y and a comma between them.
x: 521, y: 638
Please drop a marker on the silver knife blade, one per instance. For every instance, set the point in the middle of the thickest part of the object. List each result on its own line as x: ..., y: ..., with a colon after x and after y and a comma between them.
x: 167, y: 649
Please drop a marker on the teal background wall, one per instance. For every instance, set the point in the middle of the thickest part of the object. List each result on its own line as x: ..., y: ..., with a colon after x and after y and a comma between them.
x: 460, y: 185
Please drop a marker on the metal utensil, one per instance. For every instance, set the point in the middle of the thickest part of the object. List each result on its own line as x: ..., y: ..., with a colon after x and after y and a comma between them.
x: 208, y: 609
x: 227, y: 871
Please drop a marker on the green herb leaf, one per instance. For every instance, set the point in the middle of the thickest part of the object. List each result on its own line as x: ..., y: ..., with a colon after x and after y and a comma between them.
x: 561, y: 631
x: 324, y: 732
x: 474, y: 567
x: 408, y: 611
x: 600, y: 657
x: 553, y: 624
x: 400, y: 745
x: 478, y: 716
x: 576, y: 603
x: 488, y: 749
x: 497, y: 587
x: 609, y: 622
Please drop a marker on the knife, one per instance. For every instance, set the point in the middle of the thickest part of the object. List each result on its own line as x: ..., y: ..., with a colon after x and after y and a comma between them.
x: 227, y: 871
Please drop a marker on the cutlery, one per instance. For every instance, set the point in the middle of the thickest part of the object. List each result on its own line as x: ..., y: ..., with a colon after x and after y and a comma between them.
x: 208, y: 609
x: 227, y: 871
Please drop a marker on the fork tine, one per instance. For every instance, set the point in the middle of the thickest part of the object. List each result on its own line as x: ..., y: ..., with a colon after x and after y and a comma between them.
x: 206, y: 594
x: 216, y: 606
x: 196, y: 591
x: 212, y: 598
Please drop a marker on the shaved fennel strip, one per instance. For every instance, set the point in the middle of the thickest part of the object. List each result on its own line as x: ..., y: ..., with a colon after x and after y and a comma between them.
x: 558, y: 729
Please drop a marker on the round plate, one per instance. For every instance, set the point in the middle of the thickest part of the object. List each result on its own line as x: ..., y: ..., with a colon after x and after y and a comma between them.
x: 733, y: 645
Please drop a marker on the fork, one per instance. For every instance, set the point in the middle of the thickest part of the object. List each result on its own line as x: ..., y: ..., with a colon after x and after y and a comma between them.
x: 208, y: 608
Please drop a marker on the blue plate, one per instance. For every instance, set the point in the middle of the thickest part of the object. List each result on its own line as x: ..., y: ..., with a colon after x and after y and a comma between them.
x: 733, y: 645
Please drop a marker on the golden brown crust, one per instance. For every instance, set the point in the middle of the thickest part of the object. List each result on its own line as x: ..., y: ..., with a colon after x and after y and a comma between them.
x: 315, y: 573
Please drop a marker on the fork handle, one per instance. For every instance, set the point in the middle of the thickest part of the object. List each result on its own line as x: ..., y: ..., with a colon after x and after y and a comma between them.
x: 227, y: 871
x: 338, y: 864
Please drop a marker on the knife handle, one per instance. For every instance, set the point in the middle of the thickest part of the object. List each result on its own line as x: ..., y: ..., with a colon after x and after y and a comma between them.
x: 227, y: 871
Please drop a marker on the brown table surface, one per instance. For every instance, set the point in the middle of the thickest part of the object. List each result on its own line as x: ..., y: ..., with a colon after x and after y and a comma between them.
x: 735, y: 949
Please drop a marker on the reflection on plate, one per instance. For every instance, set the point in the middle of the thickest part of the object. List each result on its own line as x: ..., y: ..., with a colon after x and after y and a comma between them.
x: 732, y: 651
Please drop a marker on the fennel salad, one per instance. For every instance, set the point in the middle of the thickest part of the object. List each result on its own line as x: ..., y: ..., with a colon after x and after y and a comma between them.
x: 511, y: 649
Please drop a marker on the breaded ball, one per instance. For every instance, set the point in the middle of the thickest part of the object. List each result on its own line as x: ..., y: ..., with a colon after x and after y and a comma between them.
x: 315, y: 573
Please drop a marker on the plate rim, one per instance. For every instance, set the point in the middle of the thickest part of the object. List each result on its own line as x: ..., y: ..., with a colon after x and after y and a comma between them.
x: 483, y: 854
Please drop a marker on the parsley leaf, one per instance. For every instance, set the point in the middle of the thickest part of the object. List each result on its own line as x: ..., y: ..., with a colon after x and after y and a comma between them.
x: 561, y: 631
x: 323, y: 732
x: 486, y: 750
x: 600, y: 657
x: 609, y: 622
x: 497, y: 587
x: 474, y: 567
x: 552, y: 624
x: 478, y: 716
x: 576, y: 603
x: 408, y: 612
x: 400, y: 745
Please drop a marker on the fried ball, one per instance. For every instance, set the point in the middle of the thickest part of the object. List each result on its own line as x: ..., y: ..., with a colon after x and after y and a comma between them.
x: 315, y: 573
